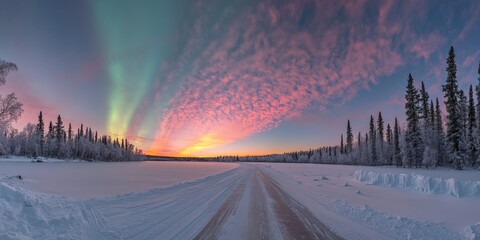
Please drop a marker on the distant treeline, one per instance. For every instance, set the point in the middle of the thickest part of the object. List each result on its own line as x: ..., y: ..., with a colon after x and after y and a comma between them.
x: 56, y: 142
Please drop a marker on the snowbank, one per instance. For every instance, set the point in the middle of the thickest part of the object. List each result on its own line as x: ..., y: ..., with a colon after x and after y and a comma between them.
x: 397, y: 227
x: 23, y: 216
x: 420, y: 182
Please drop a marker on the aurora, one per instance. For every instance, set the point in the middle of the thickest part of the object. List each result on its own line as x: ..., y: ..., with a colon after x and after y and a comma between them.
x: 133, y: 48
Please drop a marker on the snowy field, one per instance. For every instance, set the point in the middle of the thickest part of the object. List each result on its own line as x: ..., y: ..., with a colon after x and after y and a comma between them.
x: 83, y: 180
x: 186, y: 200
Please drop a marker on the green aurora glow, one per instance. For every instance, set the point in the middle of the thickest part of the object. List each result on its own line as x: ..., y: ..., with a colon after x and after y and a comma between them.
x: 133, y: 40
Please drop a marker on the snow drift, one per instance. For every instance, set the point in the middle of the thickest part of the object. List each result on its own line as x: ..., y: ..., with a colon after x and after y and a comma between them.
x: 24, y: 215
x: 419, y: 182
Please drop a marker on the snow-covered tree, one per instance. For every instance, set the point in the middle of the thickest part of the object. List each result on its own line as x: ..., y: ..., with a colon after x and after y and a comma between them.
x: 424, y: 115
x: 389, y: 146
x: 359, y: 157
x: 413, y: 139
x: 59, y: 137
x: 69, y: 132
x: 49, y: 147
x: 432, y: 114
x: 453, y: 121
x: 430, y: 152
x: 439, y: 135
x: 10, y: 107
x: 478, y: 117
x: 462, y: 111
x: 41, y: 132
x: 31, y: 147
x: 373, y: 149
x: 380, y: 138
x: 349, y: 139
x: 472, y: 129
x: 397, y: 155
x: 5, y: 68
x: 341, y: 143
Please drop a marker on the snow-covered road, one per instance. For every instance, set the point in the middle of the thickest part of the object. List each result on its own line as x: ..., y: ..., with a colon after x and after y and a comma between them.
x: 244, y: 203
x: 259, y: 208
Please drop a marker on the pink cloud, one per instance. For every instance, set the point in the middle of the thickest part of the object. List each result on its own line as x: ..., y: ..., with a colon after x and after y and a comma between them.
x: 425, y: 46
x: 472, y: 59
x: 235, y: 91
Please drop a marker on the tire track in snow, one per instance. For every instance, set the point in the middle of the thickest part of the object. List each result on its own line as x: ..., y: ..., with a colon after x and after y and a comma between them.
x: 297, y: 222
x: 282, y: 213
x: 258, y: 217
x: 214, y: 226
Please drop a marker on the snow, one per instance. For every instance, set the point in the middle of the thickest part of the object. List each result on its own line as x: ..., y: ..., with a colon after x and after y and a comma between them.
x: 175, y: 200
x: 421, y: 182
x: 25, y: 215
x: 353, y: 208
x: 83, y: 180
x: 174, y: 190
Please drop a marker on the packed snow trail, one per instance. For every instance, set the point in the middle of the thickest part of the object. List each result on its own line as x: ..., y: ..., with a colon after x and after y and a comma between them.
x: 271, y: 214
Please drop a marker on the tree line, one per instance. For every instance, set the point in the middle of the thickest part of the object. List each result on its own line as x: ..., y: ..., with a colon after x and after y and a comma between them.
x: 57, y: 141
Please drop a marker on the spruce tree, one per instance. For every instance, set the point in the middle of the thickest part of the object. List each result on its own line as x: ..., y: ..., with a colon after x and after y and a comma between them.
x: 413, y: 140
x: 349, y: 138
x: 69, y: 132
x: 59, y: 129
x: 478, y: 117
x: 341, y: 143
x: 424, y: 111
x: 50, y: 140
x: 453, y: 124
x: 373, y: 148
x: 359, y: 146
x: 367, y: 150
x: 463, y: 119
x: 90, y: 135
x: 389, y: 145
x: 477, y: 88
x: 41, y: 131
x: 472, y: 128
x: 432, y: 115
x: 50, y: 130
x: 397, y: 157
x: 380, y: 133
x: 59, y: 133
x: 439, y: 135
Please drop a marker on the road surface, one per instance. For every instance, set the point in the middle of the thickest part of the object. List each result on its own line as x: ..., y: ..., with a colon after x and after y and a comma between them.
x: 271, y: 213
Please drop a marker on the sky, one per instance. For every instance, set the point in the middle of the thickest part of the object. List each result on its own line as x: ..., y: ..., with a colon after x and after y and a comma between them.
x: 239, y: 77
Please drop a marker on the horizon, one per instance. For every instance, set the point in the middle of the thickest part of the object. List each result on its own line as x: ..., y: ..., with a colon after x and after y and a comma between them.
x: 242, y: 78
